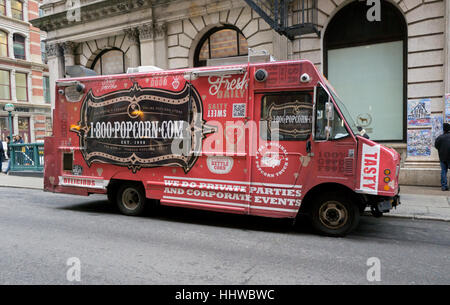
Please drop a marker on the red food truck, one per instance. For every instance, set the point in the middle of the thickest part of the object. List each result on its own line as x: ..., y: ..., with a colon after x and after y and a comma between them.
x: 270, y: 139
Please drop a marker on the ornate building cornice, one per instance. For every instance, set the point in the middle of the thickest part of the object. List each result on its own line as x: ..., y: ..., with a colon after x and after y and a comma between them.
x: 53, y: 49
x: 133, y: 35
x: 152, y: 31
x: 90, y: 12
x: 69, y: 47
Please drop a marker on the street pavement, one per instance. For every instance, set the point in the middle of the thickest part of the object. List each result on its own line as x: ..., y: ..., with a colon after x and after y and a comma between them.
x: 41, y: 231
x: 416, y: 202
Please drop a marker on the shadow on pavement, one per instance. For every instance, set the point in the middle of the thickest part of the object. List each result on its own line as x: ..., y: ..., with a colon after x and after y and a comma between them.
x: 382, y: 229
x: 200, y: 217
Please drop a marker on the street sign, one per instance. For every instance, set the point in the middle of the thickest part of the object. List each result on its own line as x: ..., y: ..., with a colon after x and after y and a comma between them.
x: 9, y: 107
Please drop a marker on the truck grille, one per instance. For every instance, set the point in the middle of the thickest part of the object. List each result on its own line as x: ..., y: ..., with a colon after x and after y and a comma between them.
x: 348, y: 166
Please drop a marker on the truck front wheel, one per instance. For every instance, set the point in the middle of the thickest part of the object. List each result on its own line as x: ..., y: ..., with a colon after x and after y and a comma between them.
x: 334, y: 215
x: 131, y: 199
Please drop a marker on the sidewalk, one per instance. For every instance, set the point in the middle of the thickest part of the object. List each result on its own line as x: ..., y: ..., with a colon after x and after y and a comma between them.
x: 417, y: 202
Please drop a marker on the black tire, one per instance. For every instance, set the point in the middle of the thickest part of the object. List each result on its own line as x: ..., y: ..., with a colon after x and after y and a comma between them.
x: 334, y: 215
x: 112, y: 194
x: 131, y: 199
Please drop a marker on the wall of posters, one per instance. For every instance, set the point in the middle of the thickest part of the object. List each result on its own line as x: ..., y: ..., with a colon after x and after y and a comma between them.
x: 447, y: 108
x: 419, y: 142
x: 419, y: 112
x: 437, y: 122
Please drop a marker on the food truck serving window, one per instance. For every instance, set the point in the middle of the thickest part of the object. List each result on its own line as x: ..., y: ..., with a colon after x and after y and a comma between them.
x: 286, y: 116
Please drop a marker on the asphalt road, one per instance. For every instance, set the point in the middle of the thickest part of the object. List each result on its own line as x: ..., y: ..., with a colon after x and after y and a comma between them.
x: 39, y: 232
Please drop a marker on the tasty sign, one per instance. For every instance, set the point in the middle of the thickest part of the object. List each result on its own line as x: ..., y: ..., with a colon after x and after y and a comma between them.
x: 370, y: 167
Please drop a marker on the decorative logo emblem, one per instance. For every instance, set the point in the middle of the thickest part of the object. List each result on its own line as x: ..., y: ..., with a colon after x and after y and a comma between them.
x: 364, y: 119
x: 290, y: 120
x: 219, y: 164
x: 272, y: 160
x: 175, y: 83
x: 143, y: 127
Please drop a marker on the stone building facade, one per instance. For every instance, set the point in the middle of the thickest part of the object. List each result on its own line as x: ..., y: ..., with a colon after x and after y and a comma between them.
x: 24, y: 77
x: 378, y: 66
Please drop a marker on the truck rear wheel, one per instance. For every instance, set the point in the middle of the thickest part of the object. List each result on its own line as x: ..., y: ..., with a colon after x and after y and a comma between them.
x: 334, y: 215
x: 131, y: 199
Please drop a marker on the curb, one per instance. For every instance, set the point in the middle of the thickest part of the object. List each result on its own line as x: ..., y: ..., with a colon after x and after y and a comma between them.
x: 23, y: 187
x: 417, y: 217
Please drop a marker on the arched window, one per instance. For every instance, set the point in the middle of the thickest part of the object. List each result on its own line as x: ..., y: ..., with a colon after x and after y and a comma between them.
x: 17, y: 9
x: 3, y: 44
x: 19, y: 46
x: 366, y: 64
x: 110, y: 61
x: 3, y: 7
x: 220, y: 42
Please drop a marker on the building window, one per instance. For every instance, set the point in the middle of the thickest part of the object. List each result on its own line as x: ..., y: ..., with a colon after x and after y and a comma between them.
x: 24, y: 129
x: 17, y: 9
x: 46, y: 85
x: 289, y: 115
x: 5, y: 85
x: 21, y: 87
x: 2, y: 7
x: 19, y: 46
x: 366, y: 63
x: 220, y: 42
x: 110, y: 62
x: 4, y: 127
x: 3, y: 44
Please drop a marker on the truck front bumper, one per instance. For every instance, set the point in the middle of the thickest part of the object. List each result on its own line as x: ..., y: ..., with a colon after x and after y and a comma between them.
x: 388, y: 204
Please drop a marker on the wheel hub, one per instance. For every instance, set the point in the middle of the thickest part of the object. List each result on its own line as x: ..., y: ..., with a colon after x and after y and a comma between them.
x: 333, y: 214
x: 130, y: 199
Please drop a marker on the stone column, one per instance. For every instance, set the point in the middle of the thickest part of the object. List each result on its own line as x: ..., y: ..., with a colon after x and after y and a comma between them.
x: 27, y: 49
x: 8, y: 9
x: 32, y: 130
x: 13, y: 86
x: 69, y: 48
x: 15, y: 124
x: 55, y: 66
x: 25, y: 11
x: 133, y: 55
x: 154, y: 45
x: 10, y: 44
x: 30, y: 87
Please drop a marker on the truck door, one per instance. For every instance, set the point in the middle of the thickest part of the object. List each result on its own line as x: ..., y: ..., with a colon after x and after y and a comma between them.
x: 333, y: 148
x: 279, y: 157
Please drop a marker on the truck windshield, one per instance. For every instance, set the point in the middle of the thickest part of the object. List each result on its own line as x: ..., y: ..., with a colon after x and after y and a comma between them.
x: 351, y: 123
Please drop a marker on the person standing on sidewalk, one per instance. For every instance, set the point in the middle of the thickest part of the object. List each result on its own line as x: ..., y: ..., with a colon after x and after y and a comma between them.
x: 2, y: 155
x: 442, y: 144
x: 8, y: 154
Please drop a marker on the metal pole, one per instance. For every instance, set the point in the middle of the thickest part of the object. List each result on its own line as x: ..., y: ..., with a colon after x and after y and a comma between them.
x: 10, y: 126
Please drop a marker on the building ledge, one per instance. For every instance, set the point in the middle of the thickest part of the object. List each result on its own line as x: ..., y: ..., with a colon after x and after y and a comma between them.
x: 90, y: 12
x: 24, y: 63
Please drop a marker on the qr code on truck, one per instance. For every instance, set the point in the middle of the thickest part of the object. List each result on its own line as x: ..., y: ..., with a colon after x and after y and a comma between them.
x: 239, y: 110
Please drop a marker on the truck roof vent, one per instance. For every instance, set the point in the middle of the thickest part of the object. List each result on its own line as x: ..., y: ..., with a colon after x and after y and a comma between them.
x: 143, y: 69
x: 79, y: 71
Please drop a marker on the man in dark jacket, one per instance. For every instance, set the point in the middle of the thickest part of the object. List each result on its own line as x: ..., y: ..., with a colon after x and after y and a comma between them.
x: 2, y: 155
x: 442, y: 144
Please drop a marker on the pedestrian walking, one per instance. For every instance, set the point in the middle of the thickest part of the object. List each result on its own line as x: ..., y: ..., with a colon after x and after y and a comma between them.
x: 2, y: 155
x: 8, y: 154
x: 442, y: 144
